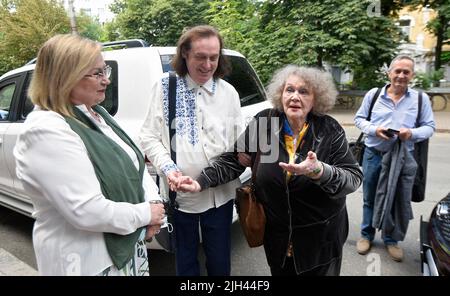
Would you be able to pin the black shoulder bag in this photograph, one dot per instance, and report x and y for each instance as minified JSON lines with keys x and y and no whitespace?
{"x":421,"y":157}
{"x":357,"y":148}
{"x":166,"y":236}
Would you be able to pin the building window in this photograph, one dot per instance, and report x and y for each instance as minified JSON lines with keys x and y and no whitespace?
{"x":86,"y":11}
{"x":406,"y":23}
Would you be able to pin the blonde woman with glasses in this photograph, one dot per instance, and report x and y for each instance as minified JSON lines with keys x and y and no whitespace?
{"x":86,"y":178}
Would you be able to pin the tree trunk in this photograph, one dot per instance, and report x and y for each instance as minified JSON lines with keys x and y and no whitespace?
{"x":319,"y":59}
{"x":439,"y":43}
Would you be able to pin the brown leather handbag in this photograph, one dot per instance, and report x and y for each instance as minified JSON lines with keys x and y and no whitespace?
{"x":251,"y":212}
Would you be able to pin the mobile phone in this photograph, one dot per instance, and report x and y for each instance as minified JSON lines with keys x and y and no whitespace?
{"x":393,"y":131}
{"x":390,"y":132}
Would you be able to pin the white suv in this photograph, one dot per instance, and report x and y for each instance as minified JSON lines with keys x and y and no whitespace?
{"x":134,"y":70}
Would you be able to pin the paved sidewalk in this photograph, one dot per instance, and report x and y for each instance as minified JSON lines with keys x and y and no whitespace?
{"x":12,"y":266}
{"x":345,"y":118}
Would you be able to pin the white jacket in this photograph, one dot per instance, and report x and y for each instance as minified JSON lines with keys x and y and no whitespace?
{"x":70,"y":211}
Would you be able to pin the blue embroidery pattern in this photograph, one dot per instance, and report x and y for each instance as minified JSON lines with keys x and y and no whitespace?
{"x":168,"y":168}
{"x":185,"y":114}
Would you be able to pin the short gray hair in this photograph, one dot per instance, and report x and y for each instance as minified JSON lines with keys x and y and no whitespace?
{"x":320,"y":82}
{"x":401,"y":57}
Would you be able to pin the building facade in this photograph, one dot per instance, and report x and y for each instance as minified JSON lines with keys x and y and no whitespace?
{"x":98,"y":9}
{"x":418,"y":42}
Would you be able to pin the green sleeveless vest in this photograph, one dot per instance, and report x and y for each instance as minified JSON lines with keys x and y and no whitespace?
{"x":116,"y":173}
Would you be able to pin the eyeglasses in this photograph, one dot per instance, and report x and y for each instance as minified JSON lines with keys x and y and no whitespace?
{"x":101,"y":73}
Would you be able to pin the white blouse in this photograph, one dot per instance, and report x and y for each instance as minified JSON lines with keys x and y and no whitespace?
{"x":70,"y":210}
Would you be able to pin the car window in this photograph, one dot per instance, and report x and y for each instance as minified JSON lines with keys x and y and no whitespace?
{"x":111,"y":102}
{"x":242,"y":77}
{"x":245,"y":81}
{"x":6,"y":96}
{"x":27,"y":104}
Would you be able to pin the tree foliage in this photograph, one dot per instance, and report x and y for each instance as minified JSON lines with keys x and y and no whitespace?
{"x":89,"y":27}
{"x":336,"y":32}
{"x":24,"y":29}
{"x":439,"y":26}
{"x":159,"y":22}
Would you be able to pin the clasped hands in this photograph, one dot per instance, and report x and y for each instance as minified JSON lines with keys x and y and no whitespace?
{"x":178,"y":182}
{"x":310,"y":167}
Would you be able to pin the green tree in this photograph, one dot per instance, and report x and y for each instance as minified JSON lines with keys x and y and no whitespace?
{"x":439,"y":26}
{"x":338,"y":32}
{"x":237,"y":21}
{"x":159,"y":22}
{"x":89,"y":27}
{"x":24,"y":29}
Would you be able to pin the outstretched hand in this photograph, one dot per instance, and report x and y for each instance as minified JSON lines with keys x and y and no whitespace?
{"x":310,"y":167}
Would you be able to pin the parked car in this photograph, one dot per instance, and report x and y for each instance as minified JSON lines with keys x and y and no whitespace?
{"x":135,"y":68}
{"x":435,"y":240}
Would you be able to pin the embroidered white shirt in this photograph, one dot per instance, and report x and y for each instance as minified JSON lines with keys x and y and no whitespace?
{"x":208,"y":122}
{"x":70,"y":210}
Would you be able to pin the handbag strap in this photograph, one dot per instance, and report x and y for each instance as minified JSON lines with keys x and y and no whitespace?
{"x":369,"y":116}
{"x":374,"y":99}
{"x":255,"y":165}
{"x":172,"y":128}
{"x":419,"y":110}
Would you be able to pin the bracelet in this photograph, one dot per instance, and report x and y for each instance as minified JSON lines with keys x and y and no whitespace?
{"x":318,"y":169}
{"x":315,"y":171}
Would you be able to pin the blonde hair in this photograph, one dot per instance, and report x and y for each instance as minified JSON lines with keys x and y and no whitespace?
{"x":61,"y":63}
{"x":320,"y":82}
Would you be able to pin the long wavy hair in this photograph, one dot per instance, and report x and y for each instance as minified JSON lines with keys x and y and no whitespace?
{"x":320,"y":82}
{"x":184,"y":46}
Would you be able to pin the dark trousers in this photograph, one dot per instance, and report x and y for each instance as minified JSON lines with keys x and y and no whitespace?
{"x":331,"y":269}
{"x":215,"y":225}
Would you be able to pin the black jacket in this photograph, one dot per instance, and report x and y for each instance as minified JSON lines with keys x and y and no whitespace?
{"x":312,"y":214}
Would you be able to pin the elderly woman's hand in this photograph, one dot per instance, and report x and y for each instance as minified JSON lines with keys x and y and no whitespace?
{"x":244,"y":159}
{"x":311,"y":167}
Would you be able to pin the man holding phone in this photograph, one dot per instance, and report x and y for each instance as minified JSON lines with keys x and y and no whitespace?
{"x":393,"y":117}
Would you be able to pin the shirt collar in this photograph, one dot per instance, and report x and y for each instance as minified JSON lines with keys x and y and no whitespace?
{"x":209,"y":86}
{"x":85,"y":111}
{"x":286,"y":127}
{"x":385,"y":95}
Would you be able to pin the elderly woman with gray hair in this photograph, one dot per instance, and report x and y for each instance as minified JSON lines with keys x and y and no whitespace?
{"x":304,"y":172}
